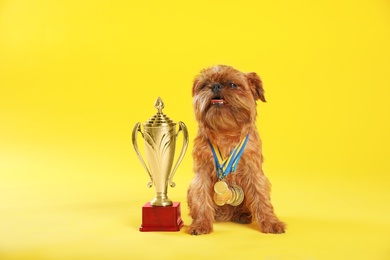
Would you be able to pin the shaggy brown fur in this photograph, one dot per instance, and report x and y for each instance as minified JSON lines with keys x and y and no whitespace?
{"x":225,"y":124}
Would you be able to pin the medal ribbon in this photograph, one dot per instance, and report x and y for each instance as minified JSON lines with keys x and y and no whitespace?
{"x":226,"y":165}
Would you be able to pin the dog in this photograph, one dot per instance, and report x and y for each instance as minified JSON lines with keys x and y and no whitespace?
{"x":224,"y":101}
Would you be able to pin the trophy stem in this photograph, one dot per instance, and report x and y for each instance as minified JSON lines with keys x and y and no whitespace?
{"x":161,"y":200}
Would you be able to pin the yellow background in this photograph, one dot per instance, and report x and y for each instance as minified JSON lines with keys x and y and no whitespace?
{"x":75,"y":76}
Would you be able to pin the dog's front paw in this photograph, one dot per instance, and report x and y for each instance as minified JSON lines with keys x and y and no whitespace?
{"x":199,"y":229}
{"x":273,"y":227}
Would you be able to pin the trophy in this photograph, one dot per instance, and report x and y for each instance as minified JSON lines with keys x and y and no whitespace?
{"x":159,"y":134}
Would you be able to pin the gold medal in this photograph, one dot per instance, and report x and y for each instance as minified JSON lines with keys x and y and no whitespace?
{"x":220,"y":187}
{"x":239,"y":195}
{"x":218,"y":200}
{"x":226,"y":196}
{"x":240,"y":199}
{"x":221,"y":199}
{"x":232,"y":198}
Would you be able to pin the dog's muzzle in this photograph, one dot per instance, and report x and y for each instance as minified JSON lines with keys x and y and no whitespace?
{"x":217,"y":97}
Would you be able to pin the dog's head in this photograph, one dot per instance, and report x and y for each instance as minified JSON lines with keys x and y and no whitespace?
{"x":224,"y":98}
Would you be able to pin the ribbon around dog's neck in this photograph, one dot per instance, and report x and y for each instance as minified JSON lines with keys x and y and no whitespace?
{"x":226,"y":165}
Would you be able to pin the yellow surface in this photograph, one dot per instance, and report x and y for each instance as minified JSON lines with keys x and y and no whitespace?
{"x":75,"y":76}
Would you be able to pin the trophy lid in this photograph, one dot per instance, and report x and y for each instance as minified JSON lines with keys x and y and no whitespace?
{"x":159,"y":119}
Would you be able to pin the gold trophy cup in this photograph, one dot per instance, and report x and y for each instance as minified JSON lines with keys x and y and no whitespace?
{"x":161,"y":214}
{"x":159,"y":134}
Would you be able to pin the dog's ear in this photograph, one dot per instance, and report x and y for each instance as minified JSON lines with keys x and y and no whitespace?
{"x":256,"y":86}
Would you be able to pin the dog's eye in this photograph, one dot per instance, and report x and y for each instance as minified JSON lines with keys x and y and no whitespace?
{"x":204,"y":85}
{"x":232,"y":85}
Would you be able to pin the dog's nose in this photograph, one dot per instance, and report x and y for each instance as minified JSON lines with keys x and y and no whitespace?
{"x":216,"y":87}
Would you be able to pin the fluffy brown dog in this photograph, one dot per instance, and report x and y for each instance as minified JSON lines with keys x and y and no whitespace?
{"x":224,"y":101}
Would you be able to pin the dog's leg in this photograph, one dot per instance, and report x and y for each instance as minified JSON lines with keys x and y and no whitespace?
{"x":200,"y":203}
{"x":257,"y":192}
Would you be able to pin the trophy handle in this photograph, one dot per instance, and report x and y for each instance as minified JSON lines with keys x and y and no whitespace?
{"x":183,"y":128}
{"x":137,"y":128}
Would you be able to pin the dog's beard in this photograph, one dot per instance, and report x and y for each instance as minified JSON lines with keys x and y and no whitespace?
{"x":228,"y":118}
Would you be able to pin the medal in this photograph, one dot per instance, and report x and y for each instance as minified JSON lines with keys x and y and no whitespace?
{"x":220,"y":187}
{"x":227,"y":195}
{"x":239,"y":195}
{"x":232,"y":198}
{"x":218,"y":200}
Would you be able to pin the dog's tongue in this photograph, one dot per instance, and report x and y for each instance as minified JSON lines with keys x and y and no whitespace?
{"x":217,"y":101}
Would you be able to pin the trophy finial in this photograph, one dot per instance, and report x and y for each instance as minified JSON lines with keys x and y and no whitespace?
{"x":159,"y":105}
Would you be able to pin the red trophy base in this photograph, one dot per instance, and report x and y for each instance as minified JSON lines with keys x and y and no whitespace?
{"x":161,"y":218}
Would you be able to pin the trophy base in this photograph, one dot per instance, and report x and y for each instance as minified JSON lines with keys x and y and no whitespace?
{"x":161,"y":218}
